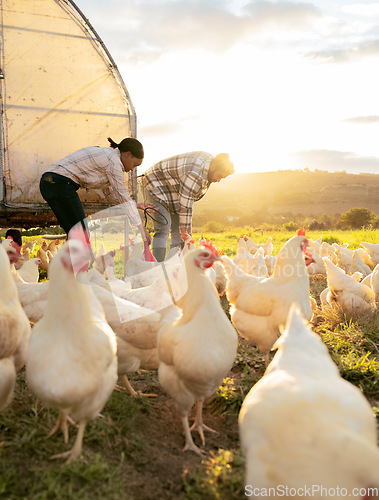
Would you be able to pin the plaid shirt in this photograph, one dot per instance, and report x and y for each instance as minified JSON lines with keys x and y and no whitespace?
{"x":99,"y":168}
{"x":179,"y":181}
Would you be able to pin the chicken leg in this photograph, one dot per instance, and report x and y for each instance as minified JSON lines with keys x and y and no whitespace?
{"x":130,"y":390}
{"x":190,"y":445}
{"x":76,"y":450}
{"x":198,"y":424}
{"x":62,"y":423}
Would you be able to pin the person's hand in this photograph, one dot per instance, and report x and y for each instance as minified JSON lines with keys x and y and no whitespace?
{"x":147,"y":235}
{"x":146,"y":206}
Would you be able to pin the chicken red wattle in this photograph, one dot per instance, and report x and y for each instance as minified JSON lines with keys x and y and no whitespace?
{"x":13,"y":250}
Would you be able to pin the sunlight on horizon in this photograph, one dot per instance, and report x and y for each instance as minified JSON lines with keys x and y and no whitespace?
{"x":262,"y":113}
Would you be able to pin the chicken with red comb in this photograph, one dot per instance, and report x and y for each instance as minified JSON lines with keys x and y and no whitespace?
{"x":260,"y":307}
{"x":72,"y":361}
{"x":78,"y":232}
{"x":211,"y":246}
{"x":12,"y":249}
{"x":189,"y":243}
{"x":14,"y":329}
{"x":197,"y":349}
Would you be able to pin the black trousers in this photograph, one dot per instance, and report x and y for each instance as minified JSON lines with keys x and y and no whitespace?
{"x":60,"y":193}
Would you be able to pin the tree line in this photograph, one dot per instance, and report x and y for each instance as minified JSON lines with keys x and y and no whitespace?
{"x":355,"y":218}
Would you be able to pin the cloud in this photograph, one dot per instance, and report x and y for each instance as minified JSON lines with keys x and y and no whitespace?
{"x":363,"y":119}
{"x":149,"y":28}
{"x":362,"y":9}
{"x":288,"y":15}
{"x":160,"y":130}
{"x":336,"y":161}
{"x":349,"y":54}
{"x":166,"y":128}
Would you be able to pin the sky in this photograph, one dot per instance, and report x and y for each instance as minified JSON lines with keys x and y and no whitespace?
{"x":279,"y":85}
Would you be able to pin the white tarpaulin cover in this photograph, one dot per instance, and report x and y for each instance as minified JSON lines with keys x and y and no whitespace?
{"x":60,"y":92}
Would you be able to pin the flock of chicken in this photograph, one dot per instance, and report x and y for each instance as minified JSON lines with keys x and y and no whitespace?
{"x":300,"y":425}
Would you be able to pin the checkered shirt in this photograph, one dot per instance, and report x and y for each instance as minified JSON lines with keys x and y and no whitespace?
{"x":179,"y":181}
{"x":99,"y":168}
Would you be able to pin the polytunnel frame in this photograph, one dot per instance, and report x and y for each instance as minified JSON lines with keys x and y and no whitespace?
{"x":31,"y":216}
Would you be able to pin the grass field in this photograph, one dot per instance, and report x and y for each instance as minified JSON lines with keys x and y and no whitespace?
{"x":134,"y":450}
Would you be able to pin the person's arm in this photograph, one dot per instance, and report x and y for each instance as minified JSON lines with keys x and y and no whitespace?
{"x":189,"y":188}
{"x":145,"y":234}
{"x":118,"y":193}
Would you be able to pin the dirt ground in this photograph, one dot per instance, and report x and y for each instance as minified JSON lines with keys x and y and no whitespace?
{"x":164,"y":464}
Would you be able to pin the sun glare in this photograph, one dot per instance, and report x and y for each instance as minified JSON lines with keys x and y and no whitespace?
{"x":260,"y":109}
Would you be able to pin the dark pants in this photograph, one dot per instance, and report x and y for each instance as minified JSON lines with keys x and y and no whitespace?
{"x":61,"y":195}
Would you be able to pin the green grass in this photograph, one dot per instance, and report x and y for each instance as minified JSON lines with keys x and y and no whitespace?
{"x":134,"y":450}
{"x":227,"y":241}
{"x":26,"y":470}
{"x":221,"y":476}
{"x":354,"y":347}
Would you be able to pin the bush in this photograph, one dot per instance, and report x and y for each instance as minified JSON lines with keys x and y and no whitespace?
{"x":315,"y":225}
{"x":357,"y":218}
{"x":290,"y":226}
{"x":213,"y":227}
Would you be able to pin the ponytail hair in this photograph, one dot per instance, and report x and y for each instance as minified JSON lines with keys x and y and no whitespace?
{"x":128,"y":144}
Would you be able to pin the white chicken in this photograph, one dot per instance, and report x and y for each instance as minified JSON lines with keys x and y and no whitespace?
{"x":221,"y":277}
{"x":215,"y":273}
{"x":29,"y":270}
{"x":12,"y":250}
{"x":72,"y":362}
{"x":244,"y":259}
{"x":260,"y":307}
{"x":373,"y":251}
{"x":253,"y":247}
{"x":95,"y":277}
{"x":101,"y":262}
{"x":138,"y":272}
{"x":372,"y":280}
{"x":357,"y":265}
{"x":352,"y":296}
{"x":259,"y":268}
{"x":317,"y":266}
{"x":14,"y":332}
{"x":197,"y":350}
{"x":202,"y":240}
{"x":33,"y":297}
{"x":42,"y":254}
{"x":365,"y":257}
{"x":315,"y":244}
{"x":136,"y":330}
{"x":24,"y":257}
{"x":53,"y":246}
{"x":136,"y":327}
{"x":155,"y":296}
{"x":268,"y":246}
{"x":344,"y":257}
{"x":28,"y":245}
{"x":270,"y":261}
{"x":304,"y":428}
{"x":189,"y":243}
{"x":326,"y":249}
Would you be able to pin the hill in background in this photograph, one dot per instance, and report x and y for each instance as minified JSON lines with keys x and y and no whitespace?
{"x":287,"y":192}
